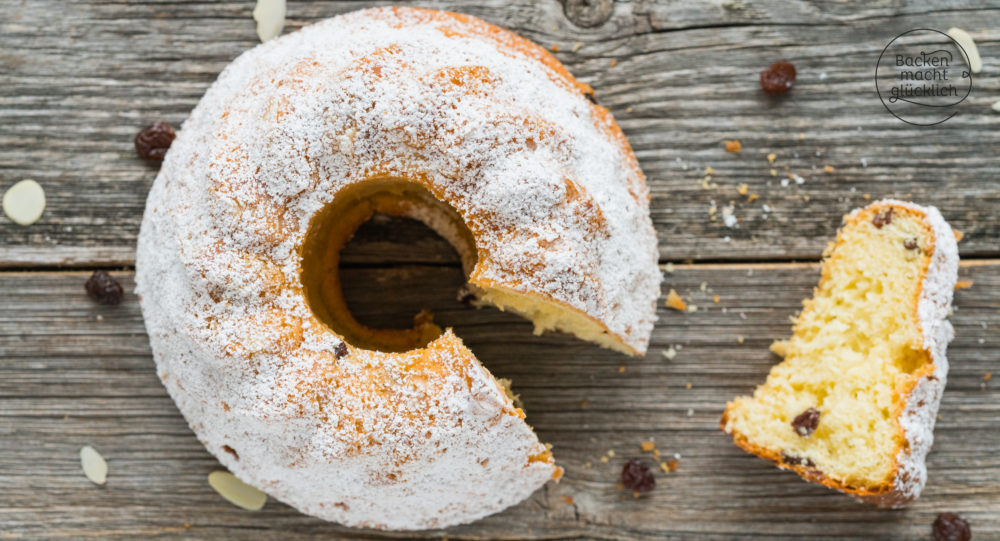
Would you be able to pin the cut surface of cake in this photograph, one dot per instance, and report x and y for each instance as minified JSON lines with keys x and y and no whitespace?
{"x":853,"y":404}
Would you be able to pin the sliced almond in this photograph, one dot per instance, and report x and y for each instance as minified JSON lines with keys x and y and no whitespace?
{"x":94,"y":466}
{"x":24,"y":202}
{"x":237,"y":492}
{"x":270,"y":17}
{"x":968,"y":49}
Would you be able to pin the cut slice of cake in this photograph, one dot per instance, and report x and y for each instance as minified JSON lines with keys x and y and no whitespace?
{"x":852,"y":406}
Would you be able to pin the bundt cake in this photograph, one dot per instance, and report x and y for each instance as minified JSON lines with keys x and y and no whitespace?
{"x":425,"y":114}
{"x":853,"y":404}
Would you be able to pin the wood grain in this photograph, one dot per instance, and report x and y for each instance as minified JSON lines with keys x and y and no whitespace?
{"x":80,"y":78}
{"x":74,"y":373}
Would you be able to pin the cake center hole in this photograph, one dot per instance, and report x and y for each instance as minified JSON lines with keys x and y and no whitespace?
{"x":394,"y":268}
{"x":375,"y":274}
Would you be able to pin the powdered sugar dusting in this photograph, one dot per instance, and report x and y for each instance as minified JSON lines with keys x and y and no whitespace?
{"x":920,"y":412}
{"x":542,"y":177}
{"x":922,"y":404}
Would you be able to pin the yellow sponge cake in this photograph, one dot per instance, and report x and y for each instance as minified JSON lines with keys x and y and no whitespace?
{"x":852,"y":406}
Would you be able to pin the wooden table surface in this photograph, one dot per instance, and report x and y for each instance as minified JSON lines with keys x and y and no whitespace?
{"x":79,"y":78}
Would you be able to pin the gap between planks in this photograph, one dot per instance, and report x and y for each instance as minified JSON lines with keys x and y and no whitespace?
{"x":677,"y":265}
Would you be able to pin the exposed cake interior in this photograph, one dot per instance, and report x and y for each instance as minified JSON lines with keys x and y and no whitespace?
{"x":856,"y":351}
{"x":333,"y":227}
{"x":551,"y":316}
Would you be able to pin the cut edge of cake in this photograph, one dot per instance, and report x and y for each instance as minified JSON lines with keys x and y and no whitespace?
{"x":918,"y":404}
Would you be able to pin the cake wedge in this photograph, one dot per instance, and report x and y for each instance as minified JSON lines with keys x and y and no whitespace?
{"x":852,"y":405}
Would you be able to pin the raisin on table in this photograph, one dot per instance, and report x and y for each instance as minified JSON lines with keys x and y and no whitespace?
{"x":778,"y":78}
{"x":637,"y":477}
{"x":152,"y":143}
{"x":951,"y":527}
{"x":104,"y":289}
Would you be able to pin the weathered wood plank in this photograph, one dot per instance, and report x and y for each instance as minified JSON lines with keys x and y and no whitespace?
{"x":78,"y":80}
{"x":74,"y":373}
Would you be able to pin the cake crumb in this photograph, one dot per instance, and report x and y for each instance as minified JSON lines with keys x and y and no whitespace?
{"x":687,"y":385}
{"x":555,"y":47}
{"x":867,"y":196}
{"x":753,"y":197}
{"x":670,"y":353}
{"x":743,"y":189}
{"x":739,"y":339}
{"x":675,"y":301}
{"x":577,"y":45}
{"x":692,"y":308}
{"x":672,"y":464}
{"x":963,"y":284}
{"x":614,"y":62}
{"x":568,"y":500}
{"x":715,"y":299}
{"x":665,"y":467}
{"x":647,"y":446}
{"x":828,"y":168}
{"x":958,"y":235}
{"x":669,"y":268}
{"x":987,"y":376}
{"x":611,"y":453}
{"x":733,"y":146}
{"x":771,"y":157}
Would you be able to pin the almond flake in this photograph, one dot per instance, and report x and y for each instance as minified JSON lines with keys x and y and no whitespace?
{"x":94,"y":466}
{"x":24,"y":202}
{"x":237,"y":492}
{"x":968,"y":48}
{"x":270,"y":17}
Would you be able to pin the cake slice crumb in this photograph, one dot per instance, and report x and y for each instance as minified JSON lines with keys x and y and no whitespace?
{"x":675,"y":301}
